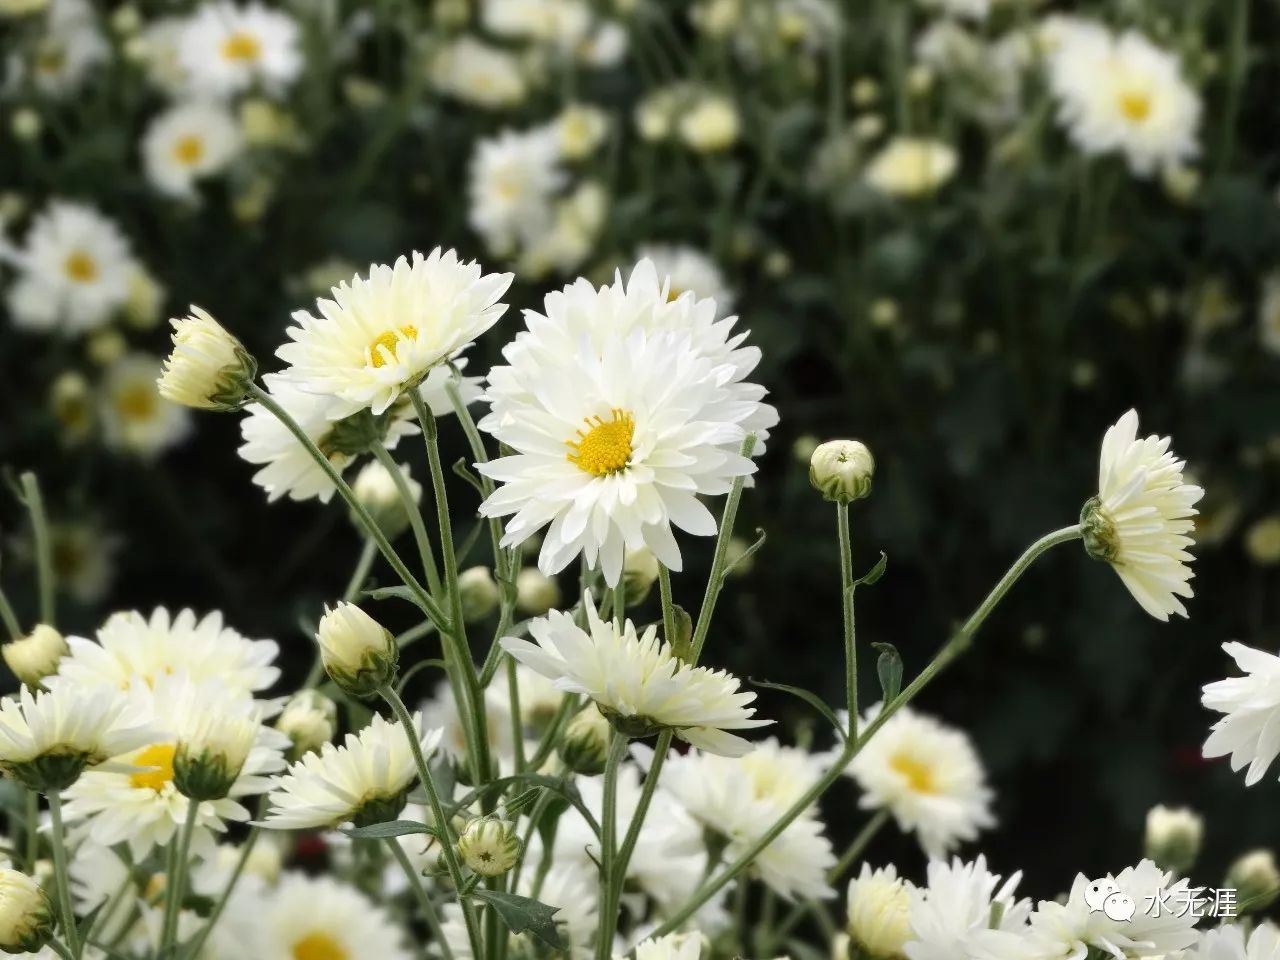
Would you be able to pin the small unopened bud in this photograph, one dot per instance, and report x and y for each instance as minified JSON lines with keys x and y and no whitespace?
{"x":639,"y":571}
{"x":803,"y":447}
{"x":585,"y":747}
{"x":360,"y":655}
{"x":479,"y":592}
{"x":105,"y":347}
{"x":26,"y":915}
{"x":864,"y":92}
{"x":879,"y":911}
{"x":208,"y":368}
{"x":309,"y":719}
{"x":1262,"y":541}
{"x":842,"y":470}
{"x":209,"y":758}
{"x":1256,"y":880}
{"x":35,"y":656}
{"x":1180,"y":183}
{"x":376,"y":490}
{"x":489,"y":846}
{"x":1173,"y":837}
{"x":72,"y":405}
{"x":25,"y":124}
{"x":536,"y":593}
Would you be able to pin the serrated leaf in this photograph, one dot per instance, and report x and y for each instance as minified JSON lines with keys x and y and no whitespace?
{"x":385,"y":831}
{"x":875,"y":573}
{"x":522,"y":914}
{"x":812,"y":699}
{"x":889,"y":669}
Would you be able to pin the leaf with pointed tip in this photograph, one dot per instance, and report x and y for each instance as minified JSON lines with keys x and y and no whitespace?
{"x":875,"y":573}
{"x":385,"y":831}
{"x":889,"y":669}
{"x":681,"y":643}
{"x":812,"y":699}
{"x":522,"y":914}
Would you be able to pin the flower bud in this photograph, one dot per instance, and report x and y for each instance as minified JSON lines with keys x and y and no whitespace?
{"x":585,"y":747}
{"x":842,"y":470}
{"x":359,"y":654}
{"x":375,"y":488}
{"x":209,"y":758}
{"x":710,"y":126}
{"x":639,"y":571}
{"x":208,"y":369}
{"x":1173,"y":837}
{"x":145,"y":298}
{"x":1262,"y":541}
{"x":26,"y":916}
{"x":35,"y":656}
{"x":480,"y":594}
{"x":72,"y":405}
{"x":1256,"y":880}
{"x":25,"y":124}
{"x":879,"y":911}
{"x":489,"y":846}
{"x":105,"y":347}
{"x":536,"y":593}
{"x":309,"y":719}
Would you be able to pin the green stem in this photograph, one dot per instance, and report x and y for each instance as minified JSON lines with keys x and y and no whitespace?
{"x":44,"y":546}
{"x":608,"y":920}
{"x":517,"y":721}
{"x":61,"y":876}
{"x":11,"y":623}
{"x":246,"y":849}
{"x":415,"y":517}
{"x":446,"y":837}
{"x":858,"y":845}
{"x":361,"y":572}
{"x":429,"y":913}
{"x":846,"y":609}
{"x":715,"y":582}
{"x":176,"y":880}
{"x":1237,"y":66}
{"x":32,"y":829}
{"x":957,"y":644}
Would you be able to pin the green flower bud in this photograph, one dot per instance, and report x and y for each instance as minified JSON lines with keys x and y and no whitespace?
{"x":639,"y":571}
{"x":208,"y":368}
{"x":489,"y":846}
{"x":842,"y":470}
{"x":26,"y":916}
{"x":479,"y":592}
{"x":1256,"y":880}
{"x":359,"y":654}
{"x":375,"y":489}
{"x":1173,"y":837}
{"x":585,"y":747}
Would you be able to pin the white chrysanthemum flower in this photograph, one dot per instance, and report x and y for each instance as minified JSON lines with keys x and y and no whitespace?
{"x":1251,"y":705}
{"x":926,"y":774}
{"x":68,"y":47}
{"x":711,"y":124}
{"x":1141,"y":520}
{"x":84,"y":558}
{"x":911,"y":167}
{"x":156,"y":50}
{"x":1229,"y":942}
{"x":48,"y":738}
{"x":570,"y":238}
{"x":622,"y":407}
{"x":137,"y":801}
{"x":132,"y":647}
{"x":580,"y":128}
{"x":674,"y":946}
{"x":73,"y":270}
{"x":187,"y":143}
{"x":366,"y":780}
{"x":738,"y":799}
{"x":208,"y":368}
{"x":1069,"y":930}
{"x":878,"y":909}
{"x":684,"y":268}
{"x":637,"y":682}
{"x":960,"y":908}
{"x":135,"y":418}
{"x":512,"y":179}
{"x":226,"y":48}
{"x":1123,"y":93}
{"x":318,"y":918}
{"x":478,"y":73}
{"x":1269,"y":314}
{"x":381,"y":335}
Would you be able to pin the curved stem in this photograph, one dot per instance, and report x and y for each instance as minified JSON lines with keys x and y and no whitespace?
{"x":958,"y":643}
{"x":444,"y":827}
{"x":66,"y":907}
{"x":429,"y":913}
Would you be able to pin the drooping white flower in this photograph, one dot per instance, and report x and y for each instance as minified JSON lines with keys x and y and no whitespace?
{"x":188,"y":143}
{"x":226,"y":48}
{"x":637,"y":681}
{"x":1125,"y":94}
{"x":959,"y":910}
{"x":318,"y":918}
{"x":132,"y":647}
{"x":1251,"y":708}
{"x":135,"y":418}
{"x":1141,"y":520}
{"x":622,"y":406}
{"x":382,"y":334}
{"x":928,"y":776}
{"x":366,"y":780}
{"x":911,"y":167}
{"x":74,"y":270}
{"x":685,"y":268}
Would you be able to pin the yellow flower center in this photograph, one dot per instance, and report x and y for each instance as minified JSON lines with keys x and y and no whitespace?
{"x":605,"y":448}
{"x":673,"y":293}
{"x":318,"y":946}
{"x":158,"y":756}
{"x":919,"y":776}
{"x":241,"y":48}
{"x":80,"y":267}
{"x":390,"y":340}
{"x":137,"y":402}
{"x":1135,"y":105}
{"x":188,"y":150}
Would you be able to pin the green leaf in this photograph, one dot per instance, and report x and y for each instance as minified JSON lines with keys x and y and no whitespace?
{"x":889,"y":669}
{"x":681,"y":643}
{"x":812,"y":699}
{"x":392,"y":828}
{"x":400,"y":593}
{"x":523,"y":913}
{"x":875,"y":573}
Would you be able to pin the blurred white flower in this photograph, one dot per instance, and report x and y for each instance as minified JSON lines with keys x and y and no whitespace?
{"x":911,"y":167}
{"x":687,"y":269}
{"x":188,"y":143}
{"x":479,"y":74}
{"x":227,"y":48}
{"x":1229,"y":941}
{"x":135,"y":418}
{"x":711,"y":125}
{"x":511,"y":182}
{"x":964,"y":909}
{"x":67,"y":46}
{"x":318,"y":918}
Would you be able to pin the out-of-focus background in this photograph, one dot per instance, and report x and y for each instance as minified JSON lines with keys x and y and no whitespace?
{"x":970,"y":233}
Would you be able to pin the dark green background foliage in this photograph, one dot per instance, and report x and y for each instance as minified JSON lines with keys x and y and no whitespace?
{"x":983,"y":422}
